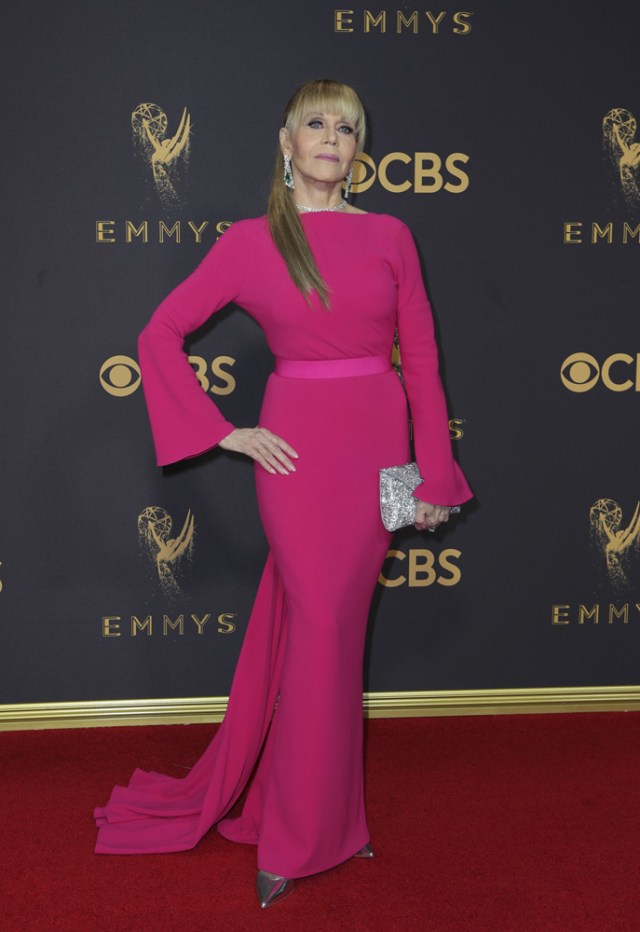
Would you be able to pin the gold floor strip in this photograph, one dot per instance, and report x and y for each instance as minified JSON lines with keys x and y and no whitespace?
{"x":376,"y":705}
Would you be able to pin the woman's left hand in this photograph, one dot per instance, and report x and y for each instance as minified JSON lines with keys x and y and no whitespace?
{"x":429,"y":517}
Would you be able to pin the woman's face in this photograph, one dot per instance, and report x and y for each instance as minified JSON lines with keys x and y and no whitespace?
{"x":322,"y":149}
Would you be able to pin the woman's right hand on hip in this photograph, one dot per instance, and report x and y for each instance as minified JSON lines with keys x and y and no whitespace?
{"x":272,"y":452}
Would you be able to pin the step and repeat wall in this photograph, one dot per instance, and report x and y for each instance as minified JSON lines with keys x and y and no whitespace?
{"x":506,"y":137}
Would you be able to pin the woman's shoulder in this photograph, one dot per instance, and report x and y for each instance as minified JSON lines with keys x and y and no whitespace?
{"x":390,"y":230}
{"x":388,"y":221}
{"x":235,"y":237}
{"x":248,"y":225}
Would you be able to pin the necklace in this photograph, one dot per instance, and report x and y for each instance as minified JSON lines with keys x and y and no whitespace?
{"x":319,"y":210}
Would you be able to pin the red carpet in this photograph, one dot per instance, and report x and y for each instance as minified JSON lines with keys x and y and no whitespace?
{"x":500,"y":823}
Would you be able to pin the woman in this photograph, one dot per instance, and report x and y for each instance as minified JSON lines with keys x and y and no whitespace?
{"x":328,"y":284}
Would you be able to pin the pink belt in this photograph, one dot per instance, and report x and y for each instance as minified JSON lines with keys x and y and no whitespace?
{"x":332,"y":368}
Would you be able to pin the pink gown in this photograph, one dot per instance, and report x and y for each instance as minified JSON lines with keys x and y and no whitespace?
{"x":295,"y":706}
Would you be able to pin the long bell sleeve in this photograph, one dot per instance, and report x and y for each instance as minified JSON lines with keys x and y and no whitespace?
{"x":184,"y":419}
{"x":444,"y":482}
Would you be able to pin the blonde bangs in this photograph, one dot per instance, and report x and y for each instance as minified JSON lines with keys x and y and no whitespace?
{"x":327,"y":97}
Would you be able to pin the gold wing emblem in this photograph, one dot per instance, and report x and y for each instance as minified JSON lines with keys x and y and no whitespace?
{"x":621,"y":540}
{"x":166,"y":151}
{"x":172,"y":549}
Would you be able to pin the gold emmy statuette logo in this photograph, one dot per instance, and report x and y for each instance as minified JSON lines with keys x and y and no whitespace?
{"x":619,"y":137}
{"x":616,"y":542}
{"x":120,"y":375}
{"x":166,"y":154}
{"x":154,"y":531}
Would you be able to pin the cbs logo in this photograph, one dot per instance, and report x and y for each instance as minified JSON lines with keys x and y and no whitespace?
{"x":419,"y":568}
{"x":619,"y":372}
{"x":120,"y":375}
{"x":422,"y":172}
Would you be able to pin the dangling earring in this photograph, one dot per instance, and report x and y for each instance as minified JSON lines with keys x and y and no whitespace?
{"x":347,"y":187}
{"x":288,"y":174}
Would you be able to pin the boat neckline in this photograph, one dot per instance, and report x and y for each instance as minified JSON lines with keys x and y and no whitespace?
{"x":341,"y":213}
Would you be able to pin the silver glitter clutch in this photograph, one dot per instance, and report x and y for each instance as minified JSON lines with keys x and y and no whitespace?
{"x":397,"y":501}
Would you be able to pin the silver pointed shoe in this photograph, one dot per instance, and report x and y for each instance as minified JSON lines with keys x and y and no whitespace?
{"x":366,"y":852}
{"x":271,"y":888}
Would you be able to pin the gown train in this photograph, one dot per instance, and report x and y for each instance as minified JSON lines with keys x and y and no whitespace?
{"x":158,"y":813}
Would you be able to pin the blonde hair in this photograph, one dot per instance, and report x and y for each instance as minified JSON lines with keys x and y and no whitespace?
{"x":284,"y":221}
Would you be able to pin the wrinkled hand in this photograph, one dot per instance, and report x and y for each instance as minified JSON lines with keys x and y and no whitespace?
{"x":429,"y":517}
{"x":271,"y":451}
